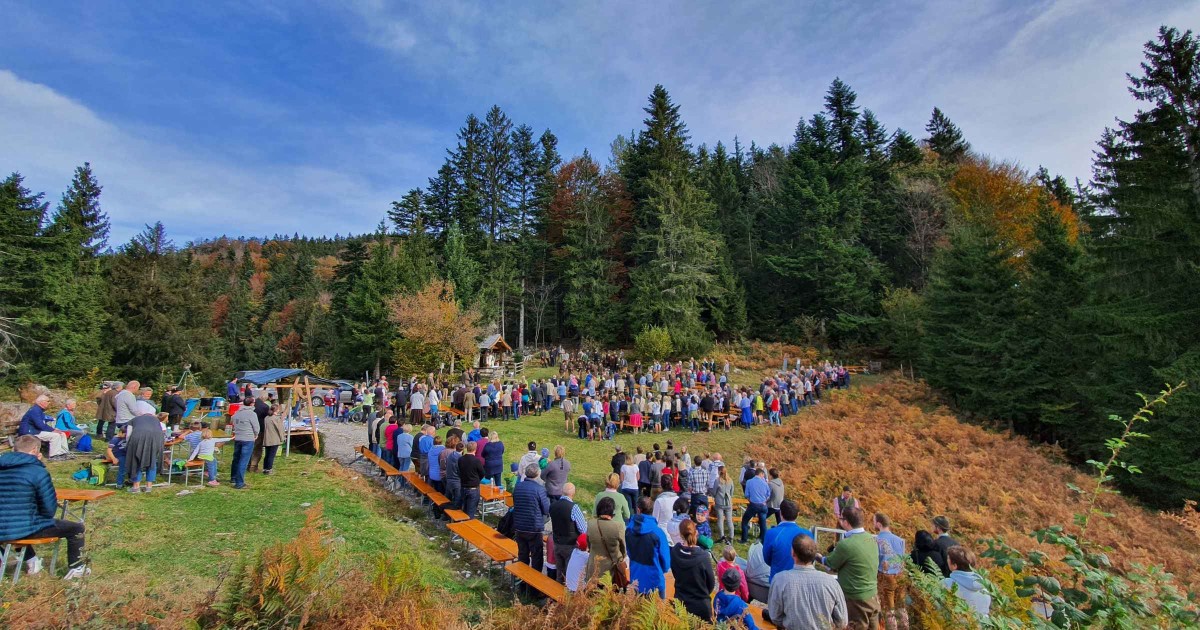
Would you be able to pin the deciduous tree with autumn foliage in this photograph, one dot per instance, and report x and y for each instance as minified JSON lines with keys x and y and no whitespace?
{"x":433,"y":319}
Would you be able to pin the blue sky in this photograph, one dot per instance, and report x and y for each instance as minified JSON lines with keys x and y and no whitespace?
{"x":311,"y":117}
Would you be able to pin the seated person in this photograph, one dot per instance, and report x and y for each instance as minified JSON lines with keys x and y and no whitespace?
{"x":36,"y":423}
{"x":27,"y":494}
{"x":191,"y":435}
{"x":65,"y":421}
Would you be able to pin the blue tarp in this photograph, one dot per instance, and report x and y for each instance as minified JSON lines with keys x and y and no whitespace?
{"x":280,"y":375}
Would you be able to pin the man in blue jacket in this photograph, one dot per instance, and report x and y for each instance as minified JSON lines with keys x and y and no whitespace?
{"x":757,"y":493}
{"x":35,"y":422}
{"x":531,"y":506}
{"x":29,"y":501}
{"x":649,"y":551}
{"x":777,"y":548}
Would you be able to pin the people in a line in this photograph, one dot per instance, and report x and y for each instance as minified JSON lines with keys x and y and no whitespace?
{"x":649,"y":551}
{"x":692,"y":568}
{"x":30,"y":504}
{"x":629,"y":480}
{"x":38,"y":424}
{"x":803,"y":597}
{"x":964,"y":582}
{"x":856,"y":561}
{"x":722,"y":494}
{"x":664,"y":504}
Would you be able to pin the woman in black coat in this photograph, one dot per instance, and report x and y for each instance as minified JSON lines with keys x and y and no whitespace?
{"x":692,"y":567}
{"x":924,"y":551}
{"x":145,"y":449}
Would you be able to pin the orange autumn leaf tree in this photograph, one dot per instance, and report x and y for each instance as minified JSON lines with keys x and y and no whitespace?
{"x":432,"y":317}
{"x":1005,"y":198}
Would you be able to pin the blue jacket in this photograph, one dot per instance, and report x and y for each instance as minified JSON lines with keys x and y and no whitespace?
{"x":27,"y":495}
{"x":730,"y":606}
{"x":65,"y":421}
{"x":403,"y":444}
{"x":35,"y":421}
{"x":649,"y":554}
{"x":531,"y":506}
{"x":435,"y":466}
{"x":493,"y":460}
{"x":777,"y":546}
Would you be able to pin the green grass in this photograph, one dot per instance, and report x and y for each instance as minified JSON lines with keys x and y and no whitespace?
{"x":185,"y":542}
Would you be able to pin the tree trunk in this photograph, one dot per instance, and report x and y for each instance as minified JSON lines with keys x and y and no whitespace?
{"x":377,"y":368}
{"x":521,"y":318}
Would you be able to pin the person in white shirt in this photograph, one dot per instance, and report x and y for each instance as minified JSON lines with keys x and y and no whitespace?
{"x":125,"y":403}
{"x":577,"y":563}
{"x":665,"y":503}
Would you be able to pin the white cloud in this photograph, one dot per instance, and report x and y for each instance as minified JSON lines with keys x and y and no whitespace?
{"x":44,"y":135}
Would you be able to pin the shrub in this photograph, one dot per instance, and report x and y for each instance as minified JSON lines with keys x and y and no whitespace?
{"x":653,"y":343}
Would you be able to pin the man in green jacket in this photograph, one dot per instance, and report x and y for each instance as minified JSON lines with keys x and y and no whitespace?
{"x":856,"y":561}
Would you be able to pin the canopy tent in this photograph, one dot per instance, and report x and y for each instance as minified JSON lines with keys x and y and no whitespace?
{"x":296,"y":381}
{"x":276,"y":375}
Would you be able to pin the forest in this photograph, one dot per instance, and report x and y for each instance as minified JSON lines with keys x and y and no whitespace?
{"x":1029,"y":302}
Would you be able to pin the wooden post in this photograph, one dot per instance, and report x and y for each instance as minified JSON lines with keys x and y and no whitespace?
{"x":312,"y":421}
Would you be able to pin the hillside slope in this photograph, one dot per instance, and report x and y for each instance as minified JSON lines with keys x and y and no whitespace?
{"x":910,"y":458}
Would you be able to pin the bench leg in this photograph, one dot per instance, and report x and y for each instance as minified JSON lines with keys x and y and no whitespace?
{"x":4,"y":562}
{"x":20,"y":565}
{"x":54,"y":557}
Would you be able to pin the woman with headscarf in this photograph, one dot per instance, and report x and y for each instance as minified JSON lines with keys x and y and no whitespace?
{"x":144,"y":450}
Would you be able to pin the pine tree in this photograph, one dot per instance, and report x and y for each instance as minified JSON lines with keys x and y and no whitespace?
{"x":74,"y":288}
{"x":682,"y":263}
{"x":497,"y":172}
{"x":945,"y":138}
{"x":973,"y":341}
{"x":407,"y":211}
{"x":23,"y":255}
{"x":588,"y":205}
{"x":841,"y":105}
{"x":460,"y":268}
{"x":466,"y":167}
{"x":903,"y":150}
{"x":661,"y":148}
{"x":369,"y":333}
{"x":416,"y":263}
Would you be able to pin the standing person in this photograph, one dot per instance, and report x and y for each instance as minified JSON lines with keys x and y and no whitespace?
{"x":174,"y":405}
{"x":125,"y":404}
{"x":556,"y":472}
{"x":693,"y":570}
{"x":205,"y":450}
{"x":272,"y":438}
{"x":856,"y":561}
{"x":612,"y":485}
{"x":606,"y":541}
{"x":493,"y":459}
{"x":776,"y":485}
{"x":645,"y":470}
{"x":941,"y":533}
{"x":531,"y":456}
{"x":891,"y":573}
{"x":404,"y":446}
{"x":566,"y":524}
{"x":629,"y":483}
{"x":417,"y":404}
{"x":36,"y":423}
{"x":723,"y":504}
{"x":144,"y":450}
{"x":435,"y":465}
{"x":424,"y":443}
{"x":232,"y":393}
{"x":664,"y":504}
{"x":757,"y":495}
{"x":803,"y":597}
{"x":261,"y":411}
{"x":531,"y":506}
{"x":30,"y":503}
{"x":777,"y":547}
{"x":844,"y":500}
{"x":649,"y":551}
{"x":245,"y":433}
{"x":454,"y":452}
{"x":698,"y":483}
{"x":118,"y":449}
{"x":470,"y":473}
{"x":731,"y":606}
{"x":965,"y":582}
{"x":925,"y":553}
{"x":105,"y":412}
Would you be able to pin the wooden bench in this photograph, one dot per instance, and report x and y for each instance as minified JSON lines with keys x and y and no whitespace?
{"x":385,"y":468}
{"x":17,"y":546}
{"x":495,"y":550}
{"x":458,"y":413}
{"x":538,"y":581}
{"x":456,"y":516}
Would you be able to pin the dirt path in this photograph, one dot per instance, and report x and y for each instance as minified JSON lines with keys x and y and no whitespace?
{"x":342,"y":438}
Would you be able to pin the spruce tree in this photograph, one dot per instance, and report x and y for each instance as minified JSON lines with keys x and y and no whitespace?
{"x":589,"y":269}
{"x":23,"y":256}
{"x":903,"y":150}
{"x":407,"y":211}
{"x":945,"y":138}
{"x":661,"y":148}
{"x":973,"y":346}
{"x":460,"y":267}
{"x":369,"y":332}
{"x":498,"y":170}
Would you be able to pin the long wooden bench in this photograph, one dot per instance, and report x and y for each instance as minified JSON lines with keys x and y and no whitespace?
{"x":17,"y":546}
{"x":456,"y":516}
{"x":385,"y":468}
{"x":538,"y":581}
{"x":496,"y":551}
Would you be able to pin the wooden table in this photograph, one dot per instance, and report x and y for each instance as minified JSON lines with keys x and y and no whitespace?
{"x":67,"y":495}
{"x":492,"y":499}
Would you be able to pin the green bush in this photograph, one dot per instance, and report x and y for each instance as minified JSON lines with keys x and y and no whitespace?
{"x":653,"y":343}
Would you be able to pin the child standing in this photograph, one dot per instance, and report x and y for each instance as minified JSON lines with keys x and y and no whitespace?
{"x":729,"y":564}
{"x":729,"y":605}
{"x":206,"y":451}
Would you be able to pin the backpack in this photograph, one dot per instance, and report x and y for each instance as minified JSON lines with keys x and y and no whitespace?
{"x":99,"y":472}
{"x":85,"y":444}
{"x":507,"y":525}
